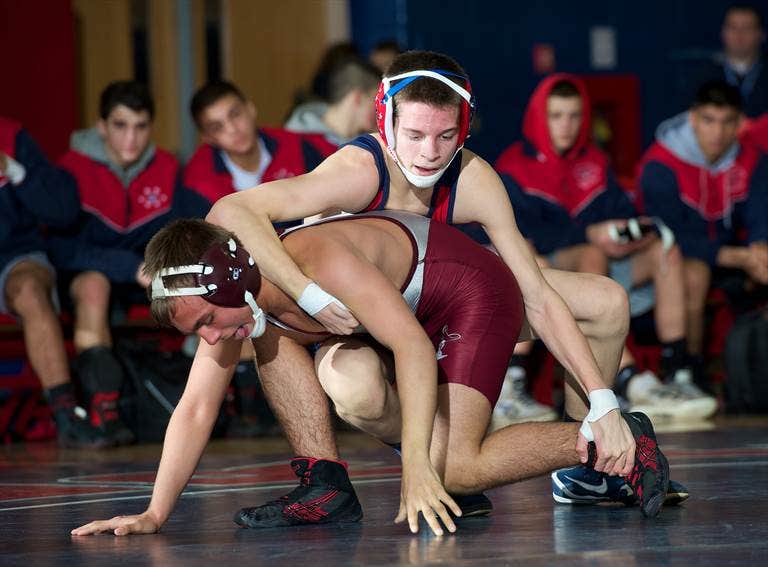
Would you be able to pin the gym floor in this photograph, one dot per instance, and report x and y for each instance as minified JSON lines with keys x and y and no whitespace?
{"x":45,"y":492}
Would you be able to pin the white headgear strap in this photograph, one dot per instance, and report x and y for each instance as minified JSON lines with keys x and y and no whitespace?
{"x":159,"y":290}
{"x":389,"y":117}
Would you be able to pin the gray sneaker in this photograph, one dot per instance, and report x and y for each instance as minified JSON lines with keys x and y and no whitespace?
{"x":515,"y":405}
{"x":668,"y":402}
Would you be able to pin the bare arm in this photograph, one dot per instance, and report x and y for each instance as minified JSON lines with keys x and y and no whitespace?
{"x":347,"y":180}
{"x":185,"y":439}
{"x":381,"y":309}
{"x":485,"y":201}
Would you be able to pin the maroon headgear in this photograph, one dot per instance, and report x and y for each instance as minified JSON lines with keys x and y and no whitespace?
{"x":223,"y":276}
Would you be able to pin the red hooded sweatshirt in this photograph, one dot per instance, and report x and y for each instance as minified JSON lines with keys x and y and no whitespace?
{"x":557,"y":196}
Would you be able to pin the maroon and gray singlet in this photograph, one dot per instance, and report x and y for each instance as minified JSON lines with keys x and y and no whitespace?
{"x":463,"y":295}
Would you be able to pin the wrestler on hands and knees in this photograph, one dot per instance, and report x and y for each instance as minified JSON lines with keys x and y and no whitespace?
{"x":417,"y":286}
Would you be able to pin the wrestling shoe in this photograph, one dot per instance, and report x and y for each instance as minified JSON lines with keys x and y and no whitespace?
{"x":105,"y":416}
{"x":74,"y":430}
{"x":472,"y":505}
{"x":649,"y":478}
{"x":584,"y":485}
{"x":324,"y":495}
{"x":515,"y":405}
{"x":676,"y":494}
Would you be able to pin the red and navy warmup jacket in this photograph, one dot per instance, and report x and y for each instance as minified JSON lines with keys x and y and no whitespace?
{"x":555,"y":197}
{"x":117,"y":222}
{"x":47,"y":195}
{"x":443,"y":194}
{"x":707,"y":209}
{"x":292,"y":154}
{"x":756,"y":133}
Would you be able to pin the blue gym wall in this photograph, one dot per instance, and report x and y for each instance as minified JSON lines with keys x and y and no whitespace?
{"x":660,"y":41}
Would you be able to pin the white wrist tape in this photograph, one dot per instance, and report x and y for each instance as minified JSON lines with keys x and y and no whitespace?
{"x":600,"y":403}
{"x":314,"y":299}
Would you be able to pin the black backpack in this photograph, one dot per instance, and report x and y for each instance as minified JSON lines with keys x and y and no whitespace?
{"x":154,"y":383}
{"x":746,"y":363}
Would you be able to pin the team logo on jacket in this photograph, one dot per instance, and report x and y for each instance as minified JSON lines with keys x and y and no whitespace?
{"x":736,"y":181}
{"x":587,"y":175}
{"x":152,"y":197}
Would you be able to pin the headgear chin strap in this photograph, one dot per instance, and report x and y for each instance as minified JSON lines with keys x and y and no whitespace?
{"x":226,"y":276}
{"x":385,"y":115}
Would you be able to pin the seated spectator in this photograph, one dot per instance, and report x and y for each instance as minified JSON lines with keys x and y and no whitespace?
{"x":235,"y":154}
{"x":383,"y":53}
{"x":712,"y":192}
{"x":317,"y":89}
{"x":742,"y":63}
{"x":32,"y":192}
{"x":333,"y":55}
{"x":128,"y":191}
{"x":347,"y":112}
{"x":569,"y":205}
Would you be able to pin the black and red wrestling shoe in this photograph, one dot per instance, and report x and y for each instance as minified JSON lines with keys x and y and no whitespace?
{"x":324,"y":495}
{"x":649,"y":478}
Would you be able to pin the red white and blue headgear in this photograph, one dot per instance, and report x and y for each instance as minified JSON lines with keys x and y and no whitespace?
{"x":226,"y":275}
{"x":385,"y":112}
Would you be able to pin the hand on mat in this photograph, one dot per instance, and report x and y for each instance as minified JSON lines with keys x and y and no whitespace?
{"x":336,"y":319}
{"x":614,"y":443}
{"x":120,"y":526}
{"x":422,"y":491}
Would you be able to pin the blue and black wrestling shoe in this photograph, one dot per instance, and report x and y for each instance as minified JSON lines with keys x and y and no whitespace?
{"x":648,"y":483}
{"x":583,"y":485}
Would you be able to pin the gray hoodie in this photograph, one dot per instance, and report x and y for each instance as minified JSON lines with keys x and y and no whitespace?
{"x":307,"y":118}
{"x":90,"y":143}
{"x":676,"y":134}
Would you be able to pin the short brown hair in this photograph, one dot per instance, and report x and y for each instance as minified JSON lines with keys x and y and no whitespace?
{"x":565,"y":89}
{"x":427,"y":90}
{"x":180,"y":243}
{"x":208,"y":95}
{"x":345,"y":77}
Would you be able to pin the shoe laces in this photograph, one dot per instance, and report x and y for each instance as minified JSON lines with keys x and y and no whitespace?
{"x":666,"y":392}
{"x":688,"y":390}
